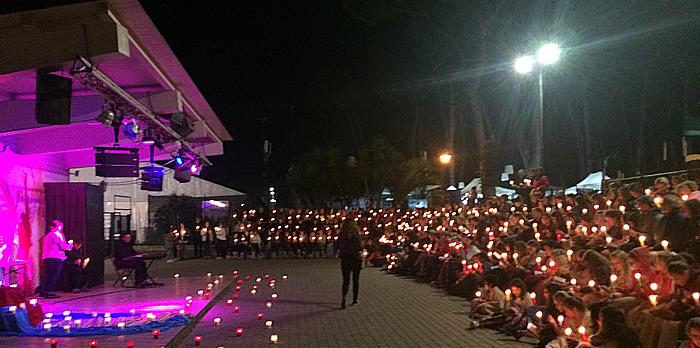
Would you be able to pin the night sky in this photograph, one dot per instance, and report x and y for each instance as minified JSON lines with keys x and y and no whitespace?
{"x":338,"y":73}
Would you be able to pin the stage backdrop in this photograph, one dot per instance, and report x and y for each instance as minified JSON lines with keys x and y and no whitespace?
{"x":22,"y":219}
{"x":80,"y":206}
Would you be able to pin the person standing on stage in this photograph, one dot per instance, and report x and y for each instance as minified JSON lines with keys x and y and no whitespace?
{"x":53,"y":254}
{"x":350,"y":252}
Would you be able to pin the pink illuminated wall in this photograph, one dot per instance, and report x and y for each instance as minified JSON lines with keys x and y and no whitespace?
{"x":22,"y":222}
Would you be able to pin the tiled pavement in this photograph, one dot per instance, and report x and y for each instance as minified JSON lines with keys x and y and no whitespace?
{"x":393,"y":311}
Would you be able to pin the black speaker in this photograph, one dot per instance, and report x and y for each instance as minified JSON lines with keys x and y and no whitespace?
{"x":183,"y":174}
{"x":181,"y":124}
{"x":152,"y":179}
{"x":53,"y":94}
{"x":116,"y":162}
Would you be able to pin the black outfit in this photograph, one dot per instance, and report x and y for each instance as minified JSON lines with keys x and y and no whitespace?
{"x":121,"y":252}
{"x":74,"y":272}
{"x":349,"y":250}
{"x":52,"y":271}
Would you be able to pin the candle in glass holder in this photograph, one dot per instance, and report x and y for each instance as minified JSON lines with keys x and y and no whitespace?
{"x":93,"y":344}
{"x":13,"y":309}
{"x":573,"y":281}
{"x":560,"y":319}
{"x":77,"y":322}
{"x":568,"y":331}
{"x":268,"y":324}
{"x":642,"y":239}
{"x":653,"y":299}
{"x":239,"y":331}
{"x":591,"y":283}
{"x":533,"y":298}
{"x":274,"y":296}
{"x":156,"y":334}
{"x":121,"y":325}
{"x":508,"y":292}
{"x":47,"y":326}
{"x":217,"y":321}
{"x":664,"y":243}
{"x":260,"y":315}
{"x":197,"y":340}
{"x":268,"y":304}
{"x":274,"y":339}
{"x":235,"y":296}
{"x":477,"y":294}
{"x":66,"y":328}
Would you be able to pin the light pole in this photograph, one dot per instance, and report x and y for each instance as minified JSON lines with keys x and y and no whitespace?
{"x":548,"y":54}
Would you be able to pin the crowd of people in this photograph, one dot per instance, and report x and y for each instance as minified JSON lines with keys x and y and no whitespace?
{"x":612,"y":269}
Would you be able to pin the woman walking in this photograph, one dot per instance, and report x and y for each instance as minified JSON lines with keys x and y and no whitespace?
{"x":350,"y":252}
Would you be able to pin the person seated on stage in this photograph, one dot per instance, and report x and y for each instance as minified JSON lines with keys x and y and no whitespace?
{"x":126,"y":257}
{"x":74,"y":267}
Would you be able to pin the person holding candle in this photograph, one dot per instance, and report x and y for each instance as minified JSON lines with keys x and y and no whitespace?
{"x":350,"y":252}
{"x":613,"y":332}
{"x":692,"y":330}
{"x":53,"y":254}
{"x":491,"y":301}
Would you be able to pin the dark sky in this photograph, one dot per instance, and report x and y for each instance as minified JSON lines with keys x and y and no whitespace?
{"x":338,"y":73}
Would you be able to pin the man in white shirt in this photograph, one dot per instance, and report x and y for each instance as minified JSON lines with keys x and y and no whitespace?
{"x":53,"y":254}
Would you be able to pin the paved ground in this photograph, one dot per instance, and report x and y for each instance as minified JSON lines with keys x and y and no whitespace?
{"x":393,"y":311}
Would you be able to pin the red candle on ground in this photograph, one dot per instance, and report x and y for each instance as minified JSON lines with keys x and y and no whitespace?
{"x":93,"y":344}
{"x":239,"y":331}
{"x":235,"y":296}
{"x":239,"y":282}
{"x":247,"y":278}
{"x":236,"y":309}
{"x":197,"y":340}
{"x":54,"y":343}
{"x":130,"y":344}
{"x":238,"y":288}
{"x":156,"y":334}
{"x":260,"y":315}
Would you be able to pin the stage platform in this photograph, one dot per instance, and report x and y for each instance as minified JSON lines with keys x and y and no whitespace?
{"x":169,"y":299}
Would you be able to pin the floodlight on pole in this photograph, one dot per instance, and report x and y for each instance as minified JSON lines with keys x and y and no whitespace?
{"x":524,"y":64}
{"x":548,"y":54}
{"x":445,"y":158}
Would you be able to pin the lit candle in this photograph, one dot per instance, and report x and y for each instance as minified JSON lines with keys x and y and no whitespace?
{"x":268,"y":324}
{"x":653,"y":299}
{"x":274,"y":296}
{"x":176,"y":275}
{"x":239,"y":331}
{"x":260,"y":315}
{"x":253,"y":291}
{"x":591,"y":283}
{"x":273,"y":339}
{"x":608,"y":240}
{"x":258,"y":280}
{"x":54,"y":343}
{"x":268,"y":304}
{"x":93,"y":344}
{"x":68,"y":318}
{"x":537,"y":236}
{"x":182,"y":312}
{"x":13,"y":309}
{"x":508,"y":294}
{"x":284,"y":276}
{"x":33,"y":302}
{"x":560,"y":319}
{"x":217,"y":321}
{"x":569,"y":253}
{"x":47,"y":326}
{"x":538,"y":314}
{"x":156,"y":334}
{"x":568,"y":331}
{"x":132,"y":311}
{"x":209,"y":275}
{"x":664,"y":243}
{"x":66,"y":328}
{"x":582,"y":331}
{"x":573,"y":281}
{"x":647,"y":192}
{"x":67,"y":313}
{"x":121,"y":325}
{"x":533,"y":297}
{"x":685,"y":197}
{"x":642,"y":239}
{"x":235,"y":296}
{"x":654,"y":287}
{"x":622,"y":209}
{"x":77,"y":322}
{"x":150,"y":316}
{"x":638,"y":276}
{"x":197,"y":340}
{"x":478,"y":294}
{"x":236,"y":309}
{"x":200,"y":292}
{"x":696,"y":297}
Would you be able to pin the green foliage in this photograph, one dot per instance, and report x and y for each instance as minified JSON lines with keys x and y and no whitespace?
{"x":322,"y":176}
{"x":175,"y":210}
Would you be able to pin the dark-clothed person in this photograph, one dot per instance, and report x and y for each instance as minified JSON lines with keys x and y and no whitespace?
{"x":126,"y":257}
{"x":350,"y":253}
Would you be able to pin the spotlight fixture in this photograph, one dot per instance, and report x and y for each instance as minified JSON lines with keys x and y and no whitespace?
{"x":131,"y":129}
{"x":107,"y":116}
{"x":194,"y":168}
{"x":148,"y":137}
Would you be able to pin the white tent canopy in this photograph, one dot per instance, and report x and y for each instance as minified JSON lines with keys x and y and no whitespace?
{"x":593,"y":181}
{"x":476,"y":182}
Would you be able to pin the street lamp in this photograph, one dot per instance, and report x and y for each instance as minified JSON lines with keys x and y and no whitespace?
{"x":445,"y":158}
{"x":548,"y":54}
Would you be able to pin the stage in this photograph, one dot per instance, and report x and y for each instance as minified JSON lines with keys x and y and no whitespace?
{"x":134,"y":305}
